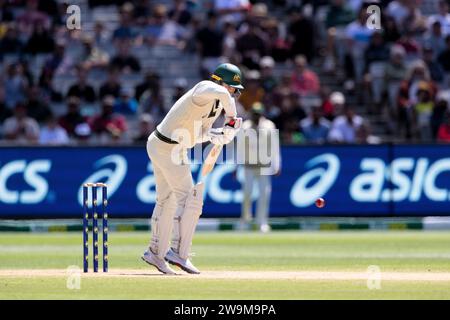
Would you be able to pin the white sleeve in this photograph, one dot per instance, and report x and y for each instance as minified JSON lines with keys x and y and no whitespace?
{"x":208,"y":91}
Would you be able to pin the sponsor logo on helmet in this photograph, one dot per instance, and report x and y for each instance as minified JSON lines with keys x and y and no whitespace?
{"x":237,"y":78}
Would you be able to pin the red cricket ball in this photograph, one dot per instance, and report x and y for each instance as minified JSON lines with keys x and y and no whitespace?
{"x":320,"y":203}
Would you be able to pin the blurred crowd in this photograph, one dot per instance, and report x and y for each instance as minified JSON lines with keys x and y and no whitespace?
{"x":322,"y":74}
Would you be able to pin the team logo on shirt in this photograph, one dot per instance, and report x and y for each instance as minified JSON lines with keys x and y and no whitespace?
{"x":214,"y":109}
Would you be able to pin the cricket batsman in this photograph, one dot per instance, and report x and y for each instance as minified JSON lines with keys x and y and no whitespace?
{"x":178,"y":201}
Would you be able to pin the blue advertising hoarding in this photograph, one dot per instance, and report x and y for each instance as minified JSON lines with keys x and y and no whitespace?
{"x":382,"y":180}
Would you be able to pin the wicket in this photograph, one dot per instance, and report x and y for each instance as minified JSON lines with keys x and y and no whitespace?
{"x":94,"y":215}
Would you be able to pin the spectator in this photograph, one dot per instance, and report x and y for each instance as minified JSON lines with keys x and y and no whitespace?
{"x":408,"y":95}
{"x":282,"y":89}
{"x":291,"y":133}
{"x":5,"y":112}
{"x":156,"y":23}
{"x":443,"y":17}
{"x":438,"y":115}
{"x":398,"y":10}
{"x":257,"y":13}
{"x":434,"y":39}
{"x":93,"y":56}
{"x":304,"y":81}
{"x":344,"y":128}
{"x":434,"y":68}
{"x":268,"y":80}
{"x":339,"y":15}
{"x":231,"y":10}
{"x":25,"y":70}
{"x":277,"y":46}
{"x":146,"y":126}
{"x":229,"y":41}
{"x":108,"y":125}
{"x":357,"y":37}
{"x":125,"y":104}
{"x":172,"y":34}
{"x":364,"y":136}
{"x":149,"y":96}
{"x":125,"y":30}
{"x":315,"y":128}
{"x":253,"y":91}
{"x":142,"y":10}
{"x":376,"y":54}
{"x":180,"y":13}
{"x":41,"y":41}
{"x":112,"y":85}
{"x":251,"y":46}
{"x":410,"y":44}
{"x":52,"y":133}
{"x":327,"y":106}
{"x":100,"y":37}
{"x":36,"y":107}
{"x":10,"y":43}
{"x":337,"y":101}
{"x":414,"y":22}
{"x":15,"y":85}
{"x":30,"y":18}
{"x":151,"y":102}
{"x":377,"y":51}
{"x":209,"y":41}
{"x":444,"y":130}
{"x":180,"y":89}
{"x":395,"y":72}
{"x":6,"y":12}
{"x":59,"y":62}
{"x":46,"y":85}
{"x":50,"y":8}
{"x":444,"y":59}
{"x":422,"y":112}
{"x":73,"y":121}
{"x":20,"y":127}
{"x":124,"y":61}
{"x":151,"y":82}
{"x":301,"y":34}
{"x":390,"y":30}
{"x":289,"y":116}
{"x":81,"y":88}
{"x":298,"y":112}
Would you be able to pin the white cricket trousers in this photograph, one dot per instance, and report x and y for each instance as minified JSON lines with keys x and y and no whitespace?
{"x":173,"y":180}
{"x":252,"y":175}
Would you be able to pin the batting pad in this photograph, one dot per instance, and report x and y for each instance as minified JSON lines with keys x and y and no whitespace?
{"x":162,"y":222}
{"x":186,"y":222}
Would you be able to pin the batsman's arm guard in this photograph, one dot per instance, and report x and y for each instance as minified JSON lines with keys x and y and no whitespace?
{"x":186,"y":222}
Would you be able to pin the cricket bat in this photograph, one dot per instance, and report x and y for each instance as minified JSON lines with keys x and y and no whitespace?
{"x":211,"y":159}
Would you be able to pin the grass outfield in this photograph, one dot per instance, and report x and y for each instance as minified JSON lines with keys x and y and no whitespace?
{"x":279,"y":265}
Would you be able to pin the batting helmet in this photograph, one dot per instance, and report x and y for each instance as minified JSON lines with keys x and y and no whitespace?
{"x":229,"y":74}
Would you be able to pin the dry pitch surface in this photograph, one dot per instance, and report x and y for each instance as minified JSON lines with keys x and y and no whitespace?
{"x":238,"y":275}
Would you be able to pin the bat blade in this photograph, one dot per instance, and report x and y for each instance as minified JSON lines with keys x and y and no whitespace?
{"x":211,"y":159}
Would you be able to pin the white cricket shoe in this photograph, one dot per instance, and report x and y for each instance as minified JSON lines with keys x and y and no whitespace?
{"x":264,"y":228}
{"x":173,"y":258}
{"x":155,"y":261}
